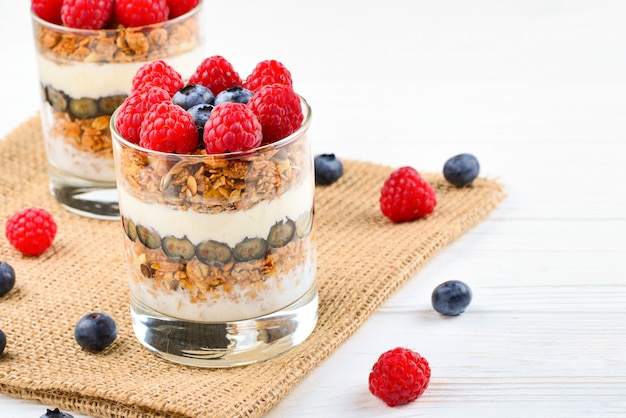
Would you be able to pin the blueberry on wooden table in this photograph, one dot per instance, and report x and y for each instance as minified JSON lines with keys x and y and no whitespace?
{"x":56,"y":413}
{"x":451,"y":298}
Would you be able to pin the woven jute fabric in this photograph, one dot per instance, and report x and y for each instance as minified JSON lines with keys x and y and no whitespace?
{"x":363,"y":259}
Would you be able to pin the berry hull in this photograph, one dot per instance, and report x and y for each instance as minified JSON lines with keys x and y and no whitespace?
{"x":84,"y":76}
{"x":220,"y":245}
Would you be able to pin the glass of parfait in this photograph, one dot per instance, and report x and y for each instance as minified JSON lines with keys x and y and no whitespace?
{"x":220,"y":248}
{"x":84,"y":75}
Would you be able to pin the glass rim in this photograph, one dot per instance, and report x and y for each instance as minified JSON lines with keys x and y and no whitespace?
{"x":306,"y":122}
{"x":67,"y":29}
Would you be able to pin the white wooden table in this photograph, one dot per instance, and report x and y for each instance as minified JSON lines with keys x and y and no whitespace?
{"x":536,"y":89}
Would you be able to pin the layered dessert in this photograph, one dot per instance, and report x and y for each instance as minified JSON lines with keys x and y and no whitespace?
{"x":86,"y":74}
{"x":219,"y":238}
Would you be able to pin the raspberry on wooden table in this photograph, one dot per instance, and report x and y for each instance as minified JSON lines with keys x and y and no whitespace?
{"x":268,"y":72}
{"x":134,"y":13}
{"x":86,"y":14}
{"x":132,"y":110}
{"x":48,"y":10}
{"x":158,"y":73}
{"x":31,"y":231}
{"x":279,"y":109}
{"x":232,"y":127}
{"x":216,"y":73}
{"x":167,"y":127}
{"x":399,"y":376}
{"x":406,"y":196}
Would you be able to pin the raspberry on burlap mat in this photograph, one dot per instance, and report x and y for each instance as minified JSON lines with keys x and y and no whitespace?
{"x":84,"y":271}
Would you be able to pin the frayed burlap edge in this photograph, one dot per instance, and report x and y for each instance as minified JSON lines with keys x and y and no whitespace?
{"x":363,"y":259}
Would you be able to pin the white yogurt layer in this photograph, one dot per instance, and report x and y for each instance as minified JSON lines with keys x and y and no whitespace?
{"x":229,"y":227}
{"x":235,"y":305}
{"x":79,"y":163}
{"x":94,"y":80}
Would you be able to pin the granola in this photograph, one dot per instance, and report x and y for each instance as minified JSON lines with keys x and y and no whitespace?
{"x":206,"y":183}
{"x":123,"y":45}
{"x":90,"y":135}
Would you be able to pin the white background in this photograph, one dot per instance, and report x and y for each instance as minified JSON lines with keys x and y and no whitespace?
{"x":537,"y":91}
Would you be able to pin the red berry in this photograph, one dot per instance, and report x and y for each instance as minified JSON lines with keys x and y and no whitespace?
{"x":48,"y":10}
{"x":86,"y":14}
{"x":217,"y":74}
{"x":406,"y":196}
{"x":180,"y":7}
{"x":167,"y":127}
{"x":279,"y":109}
{"x":31,"y":231}
{"x":134,"y":13}
{"x":268,"y":72}
{"x":132,"y":110}
{"x":399,"y":376}
{"x":232,"y":127}
{"x":158,"y":73}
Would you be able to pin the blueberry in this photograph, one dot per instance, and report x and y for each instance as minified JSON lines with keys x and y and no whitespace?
{"x":7,"y":278}
{"x":95,"y":331}
{"x":328,"y":169}
{"x":451,"y":297}
{"x":461,"y":170}
{"x":55,"y":413}
{"x":235,"y":94}
{"x":200,"y":114}
{"x":3,"y":341}
{"x":191,"y":95}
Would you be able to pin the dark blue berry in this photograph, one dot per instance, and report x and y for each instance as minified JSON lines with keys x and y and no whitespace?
{"x":461,"y":170}
{"x":95,"y":331}
{"x":235,"y":94}
{"x":328,"y":169}
{"x":56,"y":413}
{"x":3,"y":341}
{"x":7,"y":278}
{"x":451,"y":297}
{"x":200,"y":114}
{"x":191,"y":95}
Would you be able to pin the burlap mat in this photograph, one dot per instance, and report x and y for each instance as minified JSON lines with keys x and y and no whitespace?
{"x":363,"y":259}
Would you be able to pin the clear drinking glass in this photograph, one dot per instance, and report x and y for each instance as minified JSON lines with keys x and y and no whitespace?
{"x":84,"y":75}
{"x":220,"y":249}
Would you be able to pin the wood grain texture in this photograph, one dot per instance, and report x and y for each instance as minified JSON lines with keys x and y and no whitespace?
{"x":536,"y":90}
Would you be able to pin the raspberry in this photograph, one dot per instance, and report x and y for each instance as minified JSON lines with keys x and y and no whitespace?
{"x":167,"y":127}
{"x":399,"y":376}
{"x":216,"y":73}
{"x":406,"y":196}
{"x":134,"y":13}
{"x":31,"y":231}
{"x":86,"y":14}
{"x":232,"y":127}
{"x":268,"y":72}
{"x":158,"y":73}
{"x":180,"y":7}
{"x":279,"y":109}
{"x":48,"y":10}
{"x":132,"y":110}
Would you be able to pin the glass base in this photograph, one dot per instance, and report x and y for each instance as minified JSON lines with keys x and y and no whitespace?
{"x":226,"y":344}
{"x":87,"y":198}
